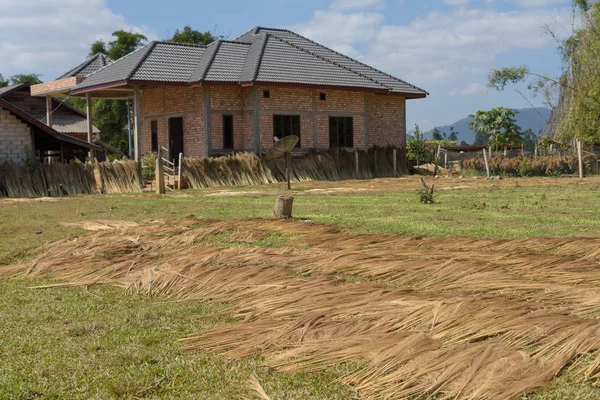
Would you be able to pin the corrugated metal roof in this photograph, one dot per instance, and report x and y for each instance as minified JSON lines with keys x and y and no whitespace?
{"x":69,"y":124}
{"x":260,"y":55}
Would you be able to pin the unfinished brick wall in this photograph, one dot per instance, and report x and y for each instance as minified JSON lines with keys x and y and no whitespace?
{"x":385,"y":115}
{"x":15,"y":138}
{"x":387,"y":123}
{"x":162,"y":103}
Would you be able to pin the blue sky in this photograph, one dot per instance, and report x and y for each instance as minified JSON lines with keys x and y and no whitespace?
{"x":444,"y":46}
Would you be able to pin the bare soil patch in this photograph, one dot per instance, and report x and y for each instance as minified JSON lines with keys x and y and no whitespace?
{"x":464,"y":318}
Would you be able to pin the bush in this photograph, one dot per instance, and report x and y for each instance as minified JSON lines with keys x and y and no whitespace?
{"x":148,"y":166}
{"x":524,"y":166}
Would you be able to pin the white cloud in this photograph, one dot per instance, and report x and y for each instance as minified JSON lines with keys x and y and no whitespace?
{"x":336,"y":28}
{"x":461,"y":42}
{"x":349,"y":4}
{"x":54,"y":35}
{"x":456,"y":2}
{"x":540,"y":3}
{"x":472,"y":89}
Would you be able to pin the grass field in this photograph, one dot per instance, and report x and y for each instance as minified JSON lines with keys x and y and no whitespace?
{"x":97,"y":342}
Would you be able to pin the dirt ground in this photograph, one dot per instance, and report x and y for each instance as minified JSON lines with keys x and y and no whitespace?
{"x":458,"y":317}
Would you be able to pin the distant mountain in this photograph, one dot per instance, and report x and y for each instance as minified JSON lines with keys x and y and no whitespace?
{"x":526,"y":118}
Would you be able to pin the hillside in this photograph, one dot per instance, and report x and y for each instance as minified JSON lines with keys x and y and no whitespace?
{"x":526,"y":118}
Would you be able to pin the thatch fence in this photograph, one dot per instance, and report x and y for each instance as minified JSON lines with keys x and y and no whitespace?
{"x":533,"y":166}
{"x":247,"y":169}
{"x":57,"y":180}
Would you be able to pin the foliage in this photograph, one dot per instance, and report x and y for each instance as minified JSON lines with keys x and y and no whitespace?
{"x":192,"y":36}
{"x":525,"y":166}
{"x":439,"y":136}
{"x":496,"y":128}
{"x":574,"y":95}
{"x":426,"y":193}
{"x":124,"y":43}
{"x":529,"y":140}
{"x":415,"y":146}
{"x":32,"y":79}
{"x":149,"y":166}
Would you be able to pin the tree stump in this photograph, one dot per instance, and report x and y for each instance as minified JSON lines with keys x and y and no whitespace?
{"x":283,"y":207}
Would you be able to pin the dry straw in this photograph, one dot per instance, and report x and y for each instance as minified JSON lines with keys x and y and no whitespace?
{"x":452,"y":318}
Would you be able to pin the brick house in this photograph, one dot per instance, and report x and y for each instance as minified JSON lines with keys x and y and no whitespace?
{"x":24,"y":130}
{"x":241,"y":95}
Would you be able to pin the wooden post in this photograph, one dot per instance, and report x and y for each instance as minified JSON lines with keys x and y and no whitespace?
{"x":49,"y":111}
{"x":159,"y":173}
{"x":535,"y":151}
{"x":287,"y":170}
{"x":487,"y":166}
{"x":137,"y":122}
{"x":179,"y":171}
{"x":395,"y":163}
{"x":356,"y":167}
{"x":445,"y":159}
{"x":62,"y":153}
{"x":523,"y":149}
{"x":283,"y":207}
{"x":580,"y":157}
{"x":90,"y":126}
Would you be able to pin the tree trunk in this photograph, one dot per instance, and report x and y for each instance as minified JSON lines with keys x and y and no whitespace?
{"x":283,"y":207}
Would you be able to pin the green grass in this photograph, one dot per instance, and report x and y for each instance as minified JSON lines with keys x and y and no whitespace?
{"x":69,"y":343}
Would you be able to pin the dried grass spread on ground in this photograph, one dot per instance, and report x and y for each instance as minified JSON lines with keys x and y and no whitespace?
{"x":466,"y":318}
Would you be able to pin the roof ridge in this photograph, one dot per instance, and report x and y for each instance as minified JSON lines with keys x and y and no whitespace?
{"x":350,"y":58}
{"x":114,"y":61}
{"x":206,"y":68}
{"x":331,"y":62}
{"x":261,"y":53}
{"x":183,"y":44}
{"x":11,"y":88}
{"x":149,"y":47}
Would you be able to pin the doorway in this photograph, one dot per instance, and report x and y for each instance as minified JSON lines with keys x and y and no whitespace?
{"x":175,"y":137}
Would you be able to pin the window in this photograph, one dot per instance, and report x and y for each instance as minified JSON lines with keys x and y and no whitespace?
{"x":286,"y":125}
{"x":227,"y":131}
{"x":154,"y":134}
{"x":323,"y":96}
{"x":267,"y":94}
{"x":341,"y":132}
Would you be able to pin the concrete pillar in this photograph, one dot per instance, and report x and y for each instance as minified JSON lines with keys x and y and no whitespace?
{"x":255,"y":120}
{"x":49,"y":111}
{"x":90,"y":125}
{"x":137,"y":122}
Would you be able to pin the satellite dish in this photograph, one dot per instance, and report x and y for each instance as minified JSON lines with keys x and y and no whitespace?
{"x":283,"y":148}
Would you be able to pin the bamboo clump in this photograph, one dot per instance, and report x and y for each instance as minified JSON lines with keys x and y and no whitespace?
{"x":448,"y":318}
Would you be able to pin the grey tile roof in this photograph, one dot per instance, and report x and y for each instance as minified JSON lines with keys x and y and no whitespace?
{"x":119,"y":70}
{"x":228,"y":62}
{"x":264,"y":55}
{"x":169,"y":62}
{"x":285,"y":63}
{"x":69,"y":124}
{"x":394,"y":84}
{"x":89,"y":66}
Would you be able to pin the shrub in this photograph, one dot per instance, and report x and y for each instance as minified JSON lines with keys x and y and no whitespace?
{"x":524,"y":166}
{"x":149,"y":166}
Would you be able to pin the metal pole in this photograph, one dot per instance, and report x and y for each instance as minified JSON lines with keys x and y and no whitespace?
{"x":90,"y":126}
{"x":395,"y":163}
{"x":130,"y":139}
{"x":287,"y":170}
{"x":179,"y":171}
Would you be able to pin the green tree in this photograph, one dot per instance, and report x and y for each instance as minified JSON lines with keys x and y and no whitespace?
{"x":436,"y":134}
{"x":32,"y":79}
{"x":3,"y":82}
{"x":192,"y":36}
{"x":529,"y":139}
{"x":496,"y":128}
{"x":453,"y":136}
{"x":415,"y":146}
{"x":110,"y":116}
{"x":574,"y":95}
